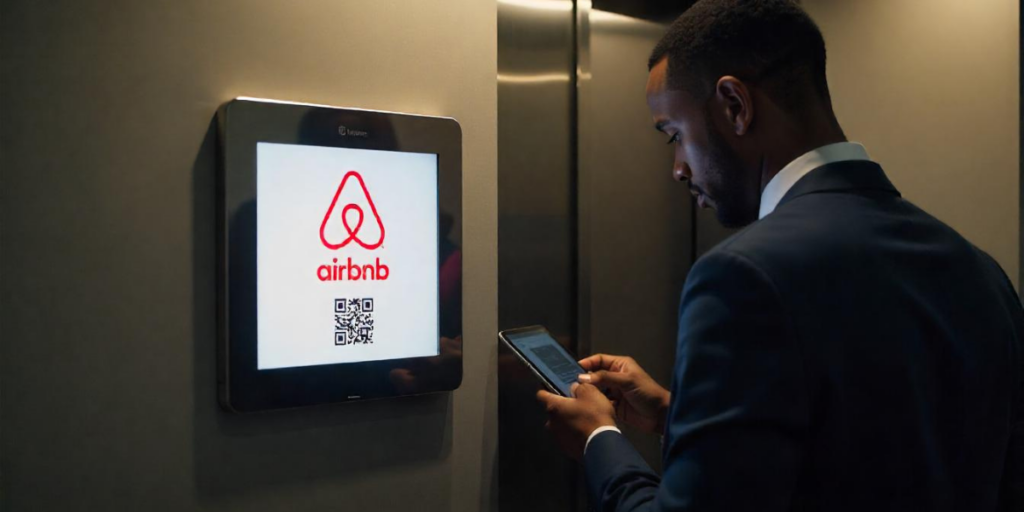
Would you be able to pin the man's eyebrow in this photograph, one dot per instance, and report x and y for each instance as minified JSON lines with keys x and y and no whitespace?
{"x":660,"y":126}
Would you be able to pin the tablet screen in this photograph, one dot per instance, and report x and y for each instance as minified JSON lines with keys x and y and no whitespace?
{"x":347,"y":255}
{"x":548,"y":357}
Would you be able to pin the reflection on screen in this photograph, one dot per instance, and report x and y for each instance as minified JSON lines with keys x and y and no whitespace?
{"x":550,"y":359}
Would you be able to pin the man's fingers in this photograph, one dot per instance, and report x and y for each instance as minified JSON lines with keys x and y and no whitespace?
{"x":605,"y":362}
{"x":616,"y":380}
{"x":584,"y":390}
{"x":596,"y":362}
{"x":550,"y":400}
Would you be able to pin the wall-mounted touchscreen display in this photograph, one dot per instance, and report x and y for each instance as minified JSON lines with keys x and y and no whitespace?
{"x":347,"y":257}
{"x":339,"y":254}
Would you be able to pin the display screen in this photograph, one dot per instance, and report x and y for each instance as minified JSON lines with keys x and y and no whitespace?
{"x":347,"y":255}
{"x":549,"y":358}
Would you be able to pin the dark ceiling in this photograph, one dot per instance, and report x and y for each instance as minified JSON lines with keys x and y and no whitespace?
{"x":654,"y":10}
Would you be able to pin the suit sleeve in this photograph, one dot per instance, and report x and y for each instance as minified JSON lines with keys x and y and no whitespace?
{"x":1011,"y":488}
{"x":739,"y":412}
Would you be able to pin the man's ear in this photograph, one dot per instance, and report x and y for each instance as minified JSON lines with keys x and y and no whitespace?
{"x":736,"y":103}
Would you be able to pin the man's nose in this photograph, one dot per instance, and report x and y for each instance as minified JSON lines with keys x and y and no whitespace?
{"x":681,"y":171}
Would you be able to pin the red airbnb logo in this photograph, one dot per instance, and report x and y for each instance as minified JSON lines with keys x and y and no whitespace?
{"x":352,"y":231}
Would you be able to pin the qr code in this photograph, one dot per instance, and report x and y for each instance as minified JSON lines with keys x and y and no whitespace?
{"x":353,"y":321}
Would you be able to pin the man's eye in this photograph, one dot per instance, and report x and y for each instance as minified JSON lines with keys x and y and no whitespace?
{"x":674,"y":139}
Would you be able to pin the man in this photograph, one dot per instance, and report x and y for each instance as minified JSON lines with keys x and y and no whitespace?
{"x":845,"y":352}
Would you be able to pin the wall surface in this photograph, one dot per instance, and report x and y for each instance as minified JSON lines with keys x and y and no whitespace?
{"x":931,"y":89}
{"x":107,"y":348}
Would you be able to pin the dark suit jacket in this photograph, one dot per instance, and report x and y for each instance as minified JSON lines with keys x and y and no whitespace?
{"x":848,"y":352}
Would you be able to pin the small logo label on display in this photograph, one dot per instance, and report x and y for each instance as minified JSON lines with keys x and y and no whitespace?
{"x":348,"y":132}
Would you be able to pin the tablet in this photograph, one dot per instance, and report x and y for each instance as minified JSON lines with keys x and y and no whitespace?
{"x":550,"y":362}
{"x":340,"y":261}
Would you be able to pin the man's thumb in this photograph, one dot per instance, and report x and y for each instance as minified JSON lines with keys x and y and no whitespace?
{"x":582,"y":390}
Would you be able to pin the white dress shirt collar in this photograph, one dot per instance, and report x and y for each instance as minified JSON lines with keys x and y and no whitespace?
{"x":791,"y":173}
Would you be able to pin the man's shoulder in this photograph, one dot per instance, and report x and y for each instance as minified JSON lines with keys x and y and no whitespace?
{"x":829,"y":233}
{"x":785,"y":237}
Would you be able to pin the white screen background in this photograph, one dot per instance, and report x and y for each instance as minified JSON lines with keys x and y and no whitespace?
{"x":295,"y":186}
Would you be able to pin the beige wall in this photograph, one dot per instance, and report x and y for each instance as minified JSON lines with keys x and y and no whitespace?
{"x":931,"y":88}
{"x":107,"y":347}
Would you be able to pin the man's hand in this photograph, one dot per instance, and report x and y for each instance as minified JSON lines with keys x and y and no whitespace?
{"x":572,"y":420}
{"x":639,"y":401}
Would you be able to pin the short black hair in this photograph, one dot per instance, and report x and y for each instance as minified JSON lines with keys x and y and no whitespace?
{"x":772,"y":42}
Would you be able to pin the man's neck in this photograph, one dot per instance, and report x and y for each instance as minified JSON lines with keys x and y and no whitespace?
{"x":792,"y":144}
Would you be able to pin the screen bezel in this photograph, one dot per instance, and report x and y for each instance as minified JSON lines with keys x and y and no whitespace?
{"x":506,"y":337}
{"x":245,"y":122}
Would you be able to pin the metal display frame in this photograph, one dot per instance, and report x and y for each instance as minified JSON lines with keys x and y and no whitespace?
{"x":245,"y":122}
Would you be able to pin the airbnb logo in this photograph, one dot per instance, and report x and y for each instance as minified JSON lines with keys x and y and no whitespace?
{"x":352,"y":232}
{"x":349,"y":270}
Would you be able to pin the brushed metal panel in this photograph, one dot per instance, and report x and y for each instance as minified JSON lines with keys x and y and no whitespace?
{"x":536,"y":237}
{"x":638,"y":227}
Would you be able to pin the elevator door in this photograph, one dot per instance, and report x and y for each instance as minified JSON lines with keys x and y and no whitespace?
{"x":636,"y":221}
{"x":595,"y":238}
{"x":536,"y":238}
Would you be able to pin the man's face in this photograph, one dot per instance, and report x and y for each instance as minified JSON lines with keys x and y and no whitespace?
{"x":715,"y":173}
